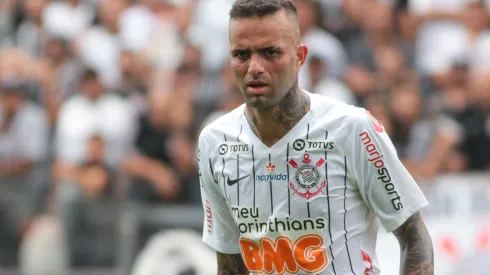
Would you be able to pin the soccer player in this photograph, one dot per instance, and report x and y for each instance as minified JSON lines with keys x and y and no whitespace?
{"x":293,"y":182}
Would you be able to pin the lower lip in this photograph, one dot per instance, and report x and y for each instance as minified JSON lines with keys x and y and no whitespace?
{"x":257,"y":90}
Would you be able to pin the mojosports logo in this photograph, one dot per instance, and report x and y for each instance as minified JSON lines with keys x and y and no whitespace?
{"x":376,"y":159}
{"x":270,"y":176}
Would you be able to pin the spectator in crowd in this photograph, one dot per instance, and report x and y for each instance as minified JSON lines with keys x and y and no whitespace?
{"x":31,"y":34}
{"x":68,"y":19}
{"x":378,"y":54}
{"x":423,"y":140}
{"x":210,"y":33}
{"x":328,"y":86}
{"x":150,"y":28}
{"x":94,"y":109}
{"x":162,"y":166}
{"x":451,"y":31}
{"x":160,"y":169}
{"x":136,"y":77}
{"x":392,"y":69}
{"x":86,"y":196}
{"x":376,"y":23}
{"x":23,"y":144}
{"x":320,"y":43}
{"x":474,"y":124}
{"x":59,"y":73}
{"x":151,"y":167}
{"x":361,"y":82}
{"x":99,"y":46}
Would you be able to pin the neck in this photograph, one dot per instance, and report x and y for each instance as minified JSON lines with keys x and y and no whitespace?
{"x":272,"y":124}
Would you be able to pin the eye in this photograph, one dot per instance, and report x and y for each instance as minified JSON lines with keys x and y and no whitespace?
{"x":242,"y":55}
{"x":271,"y":53}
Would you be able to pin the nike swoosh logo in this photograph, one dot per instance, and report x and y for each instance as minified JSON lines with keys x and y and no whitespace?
{"x":232,"y":182}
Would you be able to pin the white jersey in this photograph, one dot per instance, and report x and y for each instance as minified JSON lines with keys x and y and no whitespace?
{"x":309,"y":204}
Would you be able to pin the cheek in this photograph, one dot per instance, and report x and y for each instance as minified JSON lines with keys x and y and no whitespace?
{"x":283,"y":75}
{"x":239,"y":70}
{"x":238,"y":76}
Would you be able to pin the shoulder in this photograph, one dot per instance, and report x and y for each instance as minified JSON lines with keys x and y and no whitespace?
{"x":336,"y":90}
{"x":327,"y":108}
{"x":345,"y":120}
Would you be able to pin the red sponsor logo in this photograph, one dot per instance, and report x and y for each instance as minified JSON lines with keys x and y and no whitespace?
{"x":270,"y":167}
{"x":209,"y":216}
{"x":283,"y":255}
{"x":367,"y":261}
{"x":383,"y":175}
{"x":378,"y":127}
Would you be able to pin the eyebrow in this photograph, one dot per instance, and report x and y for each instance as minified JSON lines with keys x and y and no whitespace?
{"x":263,"y":49}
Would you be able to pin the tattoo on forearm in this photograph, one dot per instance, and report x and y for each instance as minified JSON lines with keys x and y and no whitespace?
{"x":417,"y":255}
{"x":231,"y":264}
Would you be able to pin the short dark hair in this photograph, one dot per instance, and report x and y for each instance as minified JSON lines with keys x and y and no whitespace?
{"x":89,"y":74}
{"x":260,"y":8}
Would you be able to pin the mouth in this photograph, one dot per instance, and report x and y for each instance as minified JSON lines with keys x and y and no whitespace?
{"x":256,"y":88}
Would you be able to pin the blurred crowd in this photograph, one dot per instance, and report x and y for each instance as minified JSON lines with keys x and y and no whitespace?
{"x":102,"y":101}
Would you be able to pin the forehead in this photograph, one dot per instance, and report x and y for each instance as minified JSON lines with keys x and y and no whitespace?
{"x":261,"y":32}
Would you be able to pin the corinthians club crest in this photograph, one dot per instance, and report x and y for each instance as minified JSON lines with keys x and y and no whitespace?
{"x":307,"y":177}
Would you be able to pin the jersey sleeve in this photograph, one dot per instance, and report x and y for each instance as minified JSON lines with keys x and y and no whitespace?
{"x":386,"y":186}
{"x":219,"y":231}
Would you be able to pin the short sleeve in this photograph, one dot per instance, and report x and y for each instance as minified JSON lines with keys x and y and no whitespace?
{"x":219,"y":231}
{"x":384,"y":183}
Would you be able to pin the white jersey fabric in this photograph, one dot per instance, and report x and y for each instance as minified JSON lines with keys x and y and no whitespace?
{"x":309,"y":204}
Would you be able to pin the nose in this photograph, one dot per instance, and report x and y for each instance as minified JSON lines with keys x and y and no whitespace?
{"x":255,"y":67}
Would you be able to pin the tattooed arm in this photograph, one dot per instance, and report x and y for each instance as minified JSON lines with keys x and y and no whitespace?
{"x":231,"y":264}
{"x":417,"y":255}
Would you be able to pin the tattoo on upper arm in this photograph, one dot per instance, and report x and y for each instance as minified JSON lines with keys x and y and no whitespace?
{"x":416,"y":247}
{"x":231,"y":264}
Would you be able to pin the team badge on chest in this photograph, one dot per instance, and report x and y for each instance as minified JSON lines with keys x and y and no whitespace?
{"x":307,"y":177}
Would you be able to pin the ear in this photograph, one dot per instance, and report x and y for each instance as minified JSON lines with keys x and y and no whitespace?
{"x":301,"y":53}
